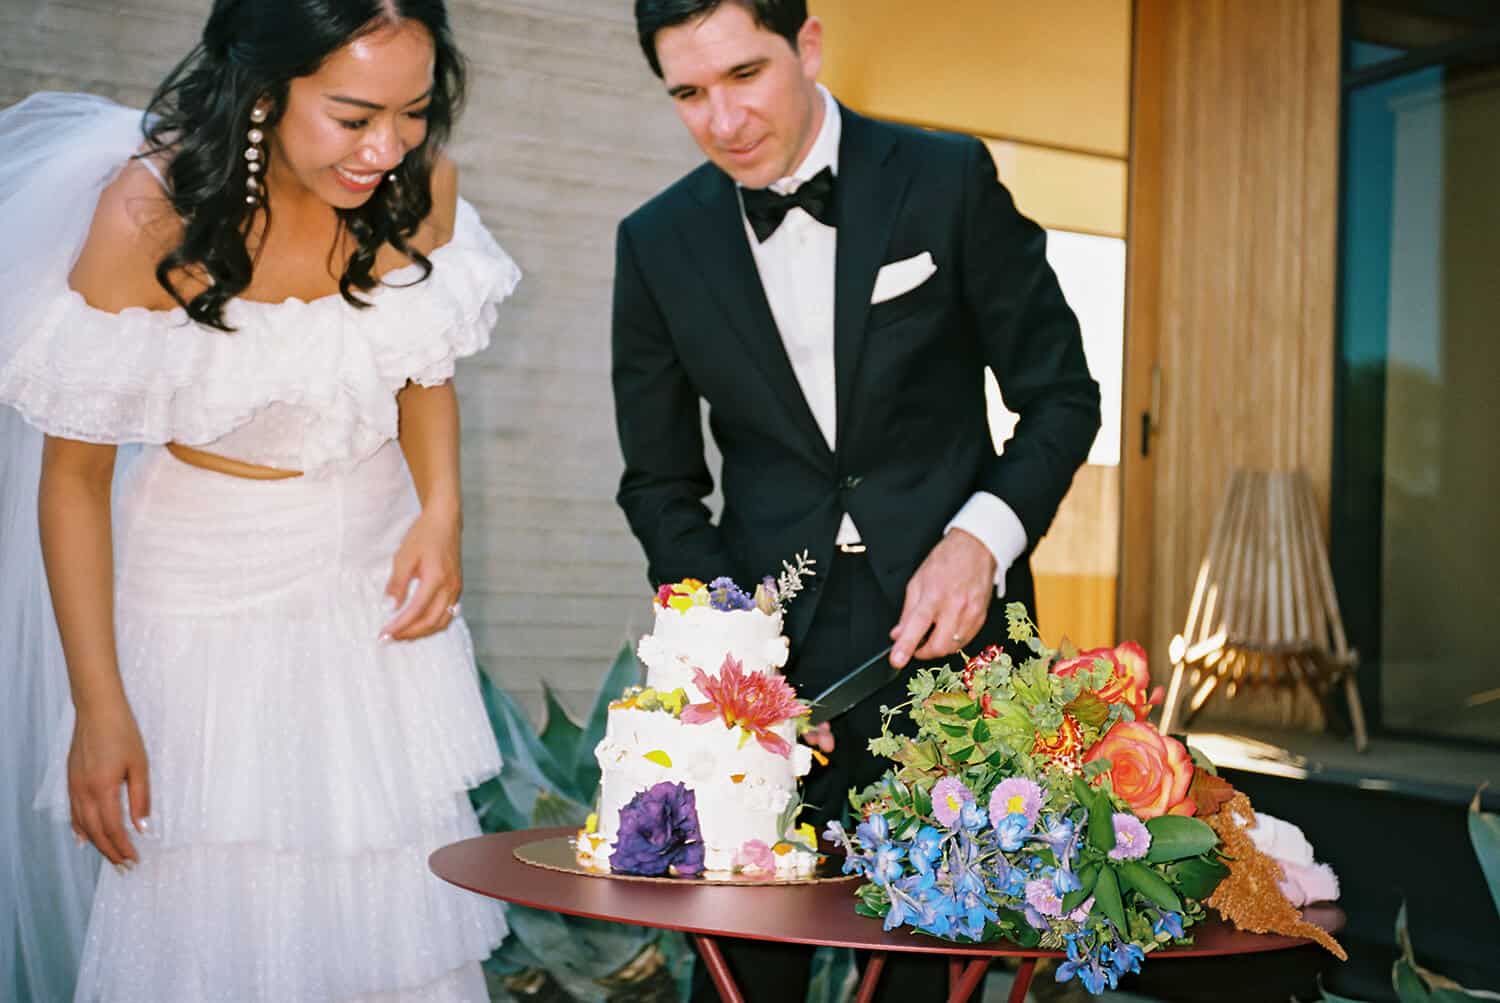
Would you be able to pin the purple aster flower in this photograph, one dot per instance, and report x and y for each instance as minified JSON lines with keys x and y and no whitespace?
{"x":1016,"y":795}
{"x":949,"y":796}
{"x":724,"y":595}
{"x":1132,"y":838}
{"x":659,"y":833}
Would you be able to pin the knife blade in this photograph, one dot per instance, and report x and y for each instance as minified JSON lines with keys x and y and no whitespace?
{"x":865,"y":679}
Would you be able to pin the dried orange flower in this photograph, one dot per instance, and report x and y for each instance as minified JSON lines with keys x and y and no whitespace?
{"x":1250,"y":897}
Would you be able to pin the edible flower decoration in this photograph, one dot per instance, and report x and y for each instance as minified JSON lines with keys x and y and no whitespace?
{"x":754,"y":702}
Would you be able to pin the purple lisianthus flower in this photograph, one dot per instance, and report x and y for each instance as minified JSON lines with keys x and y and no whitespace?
{"x":659,"y":833}
{"x":949,"y":796}
{"x":1042,"y":896}
{"x":1132,"y":838}
{"x":1016,"y":795}
{"x":725,"y":596}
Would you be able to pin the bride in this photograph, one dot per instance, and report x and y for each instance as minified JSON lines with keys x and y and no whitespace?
{"x":265,"y":281}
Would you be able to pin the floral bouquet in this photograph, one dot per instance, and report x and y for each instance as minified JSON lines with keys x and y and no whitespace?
{"x":1036,"y":804}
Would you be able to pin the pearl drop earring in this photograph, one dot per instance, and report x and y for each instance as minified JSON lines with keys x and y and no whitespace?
{"x":254,"y":156}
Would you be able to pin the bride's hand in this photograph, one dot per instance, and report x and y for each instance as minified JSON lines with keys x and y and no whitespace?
{"x":429,"y":555}
{"x":107,"y":751}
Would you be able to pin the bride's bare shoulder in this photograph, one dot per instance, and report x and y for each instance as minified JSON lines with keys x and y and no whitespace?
{"x":437,"y":229}
{"x":134,"y":226}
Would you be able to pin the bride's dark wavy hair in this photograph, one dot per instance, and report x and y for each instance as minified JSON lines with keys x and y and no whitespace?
{"x":250,"y":51}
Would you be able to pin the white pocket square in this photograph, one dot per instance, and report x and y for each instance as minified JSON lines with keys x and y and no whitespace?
{"x":901,"y":277}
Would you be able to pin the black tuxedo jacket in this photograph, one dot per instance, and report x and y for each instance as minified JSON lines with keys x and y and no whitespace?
{"x":692,"y":323}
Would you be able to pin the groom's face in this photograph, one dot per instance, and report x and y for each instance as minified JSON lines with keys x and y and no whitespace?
{"x":748,"y":97}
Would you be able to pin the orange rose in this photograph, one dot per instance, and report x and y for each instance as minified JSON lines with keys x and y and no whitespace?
{"x":1129,"y":679}
{"x":1150,"y":771}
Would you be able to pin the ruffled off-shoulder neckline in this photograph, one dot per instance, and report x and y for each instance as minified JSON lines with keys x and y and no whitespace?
{"x":154,"y":376}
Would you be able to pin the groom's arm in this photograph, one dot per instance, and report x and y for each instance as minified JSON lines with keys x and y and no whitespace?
{"x":1031,"y":340}
{"x":661,"y":436}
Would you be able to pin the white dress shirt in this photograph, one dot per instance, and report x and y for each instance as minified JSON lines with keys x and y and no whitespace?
{"x":796,"y":265}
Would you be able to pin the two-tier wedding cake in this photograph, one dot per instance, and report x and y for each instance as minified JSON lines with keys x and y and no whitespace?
{"x":700,"y":766}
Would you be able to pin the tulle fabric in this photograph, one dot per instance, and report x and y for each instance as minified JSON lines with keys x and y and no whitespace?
{"x":301,"y":772}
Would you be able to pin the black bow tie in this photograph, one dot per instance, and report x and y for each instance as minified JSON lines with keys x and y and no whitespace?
{"x":766,"y":209}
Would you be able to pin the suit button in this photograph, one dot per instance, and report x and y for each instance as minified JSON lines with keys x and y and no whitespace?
{"x":850,"y":483}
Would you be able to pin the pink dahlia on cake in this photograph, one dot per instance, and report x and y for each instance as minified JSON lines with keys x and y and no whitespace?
{"x":752,"y":701}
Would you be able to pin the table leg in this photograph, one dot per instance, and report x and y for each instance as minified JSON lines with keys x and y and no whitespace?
{"x":871,"y":978}
{"x":718,"y":970}
{"x":1019,"y":987}
{"x":961,"y":989}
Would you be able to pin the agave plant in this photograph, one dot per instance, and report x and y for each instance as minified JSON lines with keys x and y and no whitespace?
{"x":1415,"y":984}
{"x":550,"y":778}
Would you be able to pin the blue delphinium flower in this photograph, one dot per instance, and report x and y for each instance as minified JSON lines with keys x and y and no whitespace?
{"x":1169,"y":923}
{"x":973,"y":817}
{"x":1060,"y":836}
{"x":1012,"y":831}
{"x":887,"y":864}
{"x":1127,"y":958}
{"x":926,"y":849}
{"x":1064,"y":880}
{"x":873,"y":831}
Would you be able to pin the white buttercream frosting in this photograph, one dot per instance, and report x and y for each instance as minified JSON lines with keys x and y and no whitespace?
{"x":701,"y":638}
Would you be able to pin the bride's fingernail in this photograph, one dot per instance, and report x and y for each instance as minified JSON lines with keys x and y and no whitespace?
{"x":388,"y":605}
{"x":121,"y":870}
{"x":81,"y":841}
{"x":143,"y":824}
{"x":383,"y":639}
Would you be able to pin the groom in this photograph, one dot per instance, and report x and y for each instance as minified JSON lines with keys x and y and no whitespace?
{"x":834,"y":288}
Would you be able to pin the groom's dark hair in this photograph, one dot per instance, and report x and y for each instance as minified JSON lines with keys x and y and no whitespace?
{"x":784,"y":17}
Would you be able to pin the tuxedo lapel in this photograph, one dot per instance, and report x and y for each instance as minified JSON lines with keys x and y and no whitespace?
{"x":871,"y":188}
{"x":722,"y":252}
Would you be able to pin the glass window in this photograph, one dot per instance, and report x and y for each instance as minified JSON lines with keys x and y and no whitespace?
{"x":1416,"y":525}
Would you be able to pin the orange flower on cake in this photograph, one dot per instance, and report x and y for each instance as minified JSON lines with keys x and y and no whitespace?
{"x":1150,"y":771}
{"x":1129,"y":681}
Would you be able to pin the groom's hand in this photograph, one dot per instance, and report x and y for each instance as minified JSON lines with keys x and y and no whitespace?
{"x":949,"y":595}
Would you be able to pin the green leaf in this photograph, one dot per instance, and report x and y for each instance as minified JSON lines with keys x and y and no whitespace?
{"x":981,"y":731}
{"x":949,"y":702}
{"x":1017,"y":930}
{"x":969,"y":711}
{"x":1136,"y":875}
{"x":955,"y":730}
{"x":1409,"y":987}
{"x":1088,"y":877}
{"x":1101,"y":823}
{"x":1107,"y":897}
{"x":1484,"y":833}
{"x":1174,"y":837}
{"x":1197,"y":877}
{"x":560,"y":736}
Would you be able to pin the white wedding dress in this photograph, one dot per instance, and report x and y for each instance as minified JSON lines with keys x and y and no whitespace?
{"x":301,"y":772}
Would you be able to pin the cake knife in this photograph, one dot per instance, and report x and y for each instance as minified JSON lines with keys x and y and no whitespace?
{"x":866,"y":679}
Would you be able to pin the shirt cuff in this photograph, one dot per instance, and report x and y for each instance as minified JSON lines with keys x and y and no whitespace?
{"x":997,"y":526}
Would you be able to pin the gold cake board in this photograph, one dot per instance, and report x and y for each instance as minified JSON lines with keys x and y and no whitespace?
{"x":560,"y":853}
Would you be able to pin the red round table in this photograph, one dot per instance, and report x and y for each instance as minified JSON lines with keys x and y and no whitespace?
{"x":820,"y":914}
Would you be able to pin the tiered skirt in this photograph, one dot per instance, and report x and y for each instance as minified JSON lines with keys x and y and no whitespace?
{"x":301,"y":771}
